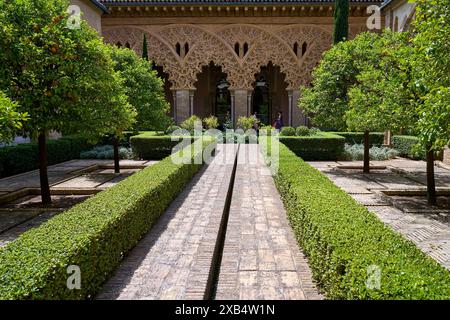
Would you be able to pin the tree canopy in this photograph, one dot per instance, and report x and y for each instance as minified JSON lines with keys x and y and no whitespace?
{"x":144,"y":89}
{"x":10,"y":120}
{"x":431,"y":71}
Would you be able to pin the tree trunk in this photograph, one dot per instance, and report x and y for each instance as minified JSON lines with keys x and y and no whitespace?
{"x":45,"y":187}
{"x":116,"y":155}
{"x":431,"y":184}
{"x":366,"y":152}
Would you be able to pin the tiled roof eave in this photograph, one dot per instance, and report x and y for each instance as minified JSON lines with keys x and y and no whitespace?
{"x":229,"y":2}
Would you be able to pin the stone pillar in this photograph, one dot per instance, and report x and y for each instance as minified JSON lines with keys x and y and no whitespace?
{"x":183,"y":104}
{"x":298,"y":117}
{"x":290,"y":108}
{"x":240,"y":103}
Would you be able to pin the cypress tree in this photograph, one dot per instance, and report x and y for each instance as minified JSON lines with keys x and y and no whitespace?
{"x":144,"y":48}
{"x":341,"y":11}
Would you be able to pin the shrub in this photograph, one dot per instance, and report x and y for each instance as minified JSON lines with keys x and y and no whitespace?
{"x":302,"y":131}
{"x":245,"y":123}
{"x":189,"y":124}
{"x":148,"y":146}
{"x":356,"y":152}
{"x":106,"y":152}
{"x":408,"y":146}
{"x":211,"y":122}
{"x":375,"y":138}
{"x":342,"y":239}
{"x":287,"y":132}
{"x":313,"y":131}
{"x":94,"y":235}
{"x":25,"y":157}
{"x":172,"y":129}
{"x":323,"y":146}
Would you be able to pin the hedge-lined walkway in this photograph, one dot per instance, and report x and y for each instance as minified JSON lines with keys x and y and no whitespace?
{"x":174,"y":260}
{"x":261,"y":258}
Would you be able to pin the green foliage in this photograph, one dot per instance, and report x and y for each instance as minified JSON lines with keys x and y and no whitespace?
{"x":63,"y":78}
{"x":145,"y":90}
{"x":383,"y":98}
{"x":172,"y":128}
{"x":355,"y":152}
{"x":287,"y":132}
{"x":341,"y":11}
{"x":327,"y":99}
{"x":342,"y":239}
{"x":211,"y":122}
{"x":302,"y":131}
{"x":245,"y":123}
{"x":25,"y":157}
{"x":148,"y":146}
{"x":190,"y":123}
{"x":375,"y":138}
{"x":10,"y":120}
{"x":145,"y":48}
{"x":431,"y":69}
{"x":409,"y":146}
{"x":94,"y":235}
{"x":106,"y":152}
{"x":323,"y":146}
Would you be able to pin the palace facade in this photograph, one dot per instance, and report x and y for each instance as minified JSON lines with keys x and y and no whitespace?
{"x":231,"y":58}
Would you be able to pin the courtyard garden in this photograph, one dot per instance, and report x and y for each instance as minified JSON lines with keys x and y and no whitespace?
{"x":126,"y":204}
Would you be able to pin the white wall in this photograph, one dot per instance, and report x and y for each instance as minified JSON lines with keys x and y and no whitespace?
{"x":91,"y":13}
{"x":397,"y":14}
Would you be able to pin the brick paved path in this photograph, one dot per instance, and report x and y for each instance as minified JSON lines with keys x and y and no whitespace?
{"x":261,"y":258}
{"x":174,"y":259}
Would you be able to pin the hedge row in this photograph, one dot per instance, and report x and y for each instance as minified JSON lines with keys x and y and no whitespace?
{"x":322,"y":146}
{"x":342,"y":239}
{"x":375,"y":138}
{"x":93,"y":235}
{"x":149,"y":146}
{"x":406,"y":146}
{"x":25,"y":157}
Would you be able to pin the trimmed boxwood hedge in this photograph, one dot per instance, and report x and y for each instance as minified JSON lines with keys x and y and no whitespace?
{"x":149,"y":146}
{"x":405,"y":146}
{"x":93,"y":235}
{"x":375,"y":138}
{"x":342,"y":239}
{"x":25,"y":157}
{"x":322,"y":146}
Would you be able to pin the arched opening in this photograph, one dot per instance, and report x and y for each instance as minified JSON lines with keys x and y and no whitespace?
{"x":212,"y":95}
{"x":270,"y":95}
{"x":186,"y":48}
{"x":236,"y":49}
{"x":304,"y":48}
{"x":178,"y":49}
{"x":296,"y":49}
{"x":245,"y":48}
{"x":127,"y":45}
{"x":119,"y":44}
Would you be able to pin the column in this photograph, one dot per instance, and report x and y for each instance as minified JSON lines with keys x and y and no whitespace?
{"x":299,"y":118}
{"x":184,"y":106}
{"x":241,"y":103}
{"x":291,"y":108}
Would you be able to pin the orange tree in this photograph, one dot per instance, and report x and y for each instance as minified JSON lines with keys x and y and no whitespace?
{"x":10,"y":120}
{"x":62,"y":76}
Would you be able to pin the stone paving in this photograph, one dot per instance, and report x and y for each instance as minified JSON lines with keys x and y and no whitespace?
{"x":261,"y":258}
{"x":427,"y":227}
{"x":174,"y":259}
{"x":76,"y":176}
